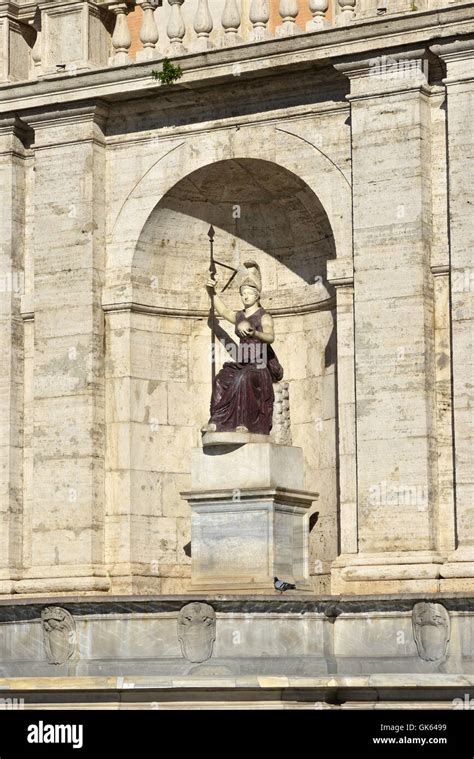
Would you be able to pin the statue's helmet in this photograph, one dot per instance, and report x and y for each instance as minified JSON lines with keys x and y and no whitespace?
{"x":251,"y":276}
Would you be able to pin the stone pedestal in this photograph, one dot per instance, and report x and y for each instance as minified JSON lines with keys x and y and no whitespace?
{"x":249,"y":517}
{"x":74,"y":37}
{"x":15,"y":41}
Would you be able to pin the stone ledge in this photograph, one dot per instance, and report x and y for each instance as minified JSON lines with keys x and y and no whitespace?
{"x":241,"y":682}
{"x":332,"y":606}
{"x":250,"y":692}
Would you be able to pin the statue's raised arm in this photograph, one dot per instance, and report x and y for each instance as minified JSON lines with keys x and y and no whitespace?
{"x":219,"y":304}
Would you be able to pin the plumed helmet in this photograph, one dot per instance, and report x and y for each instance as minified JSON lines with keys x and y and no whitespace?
{"x":251,"y":276}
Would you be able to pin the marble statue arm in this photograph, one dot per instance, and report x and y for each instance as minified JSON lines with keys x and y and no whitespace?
{"x":219,"y":305}
{"x":268,"y":335}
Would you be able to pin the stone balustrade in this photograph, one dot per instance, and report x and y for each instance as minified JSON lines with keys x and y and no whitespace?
{"x":54,"y":36}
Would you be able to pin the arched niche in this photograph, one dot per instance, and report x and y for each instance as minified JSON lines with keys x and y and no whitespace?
{"x":259,"y":210}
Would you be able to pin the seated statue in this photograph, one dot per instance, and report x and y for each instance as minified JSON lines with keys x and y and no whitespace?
{"x":242,"y":393}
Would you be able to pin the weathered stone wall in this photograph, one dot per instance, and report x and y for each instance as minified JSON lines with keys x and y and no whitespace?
{"x":352,"y":189}
{"x":361,"y":643}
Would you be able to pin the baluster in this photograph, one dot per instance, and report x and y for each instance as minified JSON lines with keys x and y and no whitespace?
{"x":203,"y":26}
{"x":318,"y":8}
{"x":288,"y":11}
{"x":36,"y":50}
{"x":259,"y":16}
{"x":176,"y":29}
{"x":36,"y":54}
{"x":231,"y":22}
{"x":347,"y":13}
{"x":121,"y":39}
{"x":149,"y":32}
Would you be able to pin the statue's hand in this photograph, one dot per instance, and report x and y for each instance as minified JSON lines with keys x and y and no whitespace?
{"x":245,"y":329}
{"x":211,"y":285}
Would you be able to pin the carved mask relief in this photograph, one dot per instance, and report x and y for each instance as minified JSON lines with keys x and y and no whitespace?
{"x":431,"y":630}
{"x":197,"y":631}
{"x":59,"y":630}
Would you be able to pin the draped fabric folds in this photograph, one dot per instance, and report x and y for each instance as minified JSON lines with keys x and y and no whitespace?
{"x":242,"y":395}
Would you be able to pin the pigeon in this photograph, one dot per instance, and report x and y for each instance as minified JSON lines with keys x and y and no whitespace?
{"x":282,"y":586}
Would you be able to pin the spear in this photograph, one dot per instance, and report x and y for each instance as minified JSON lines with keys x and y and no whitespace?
{"x":212,"y":272}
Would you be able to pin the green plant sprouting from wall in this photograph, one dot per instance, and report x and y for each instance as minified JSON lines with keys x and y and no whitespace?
{"x":169,"y":73}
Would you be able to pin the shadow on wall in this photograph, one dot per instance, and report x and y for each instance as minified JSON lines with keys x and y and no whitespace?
{"x":259,"y":210}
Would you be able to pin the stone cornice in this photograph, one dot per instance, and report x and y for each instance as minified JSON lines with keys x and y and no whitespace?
{"x":330,"y":605}
{"x":409,"y":88}
{"x":82,"y":115}
{"x":290,"y":497}
{"x":440,"y":270}
{"x":458,"y":55}
{"x":374,"y":76}
{"x":343,"y":282}
{"x":460,"y":49}
{"x":94,"y":111}
{"x":14,"y":10}
{"x":12,"y":125}
{"x":362,"y":65}
{"x":192,"y":313}
{"x":319,"y":49}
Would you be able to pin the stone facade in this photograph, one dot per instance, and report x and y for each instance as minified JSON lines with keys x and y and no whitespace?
{"x":337,"y":155}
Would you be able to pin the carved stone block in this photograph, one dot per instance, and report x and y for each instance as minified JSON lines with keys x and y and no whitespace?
{"x":197,"y":631}
{"x":431,"y":630}
{"x":59,"y":630}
